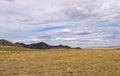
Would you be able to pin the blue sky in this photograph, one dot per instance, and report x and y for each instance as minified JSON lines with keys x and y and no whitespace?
{"x":77,"y":23}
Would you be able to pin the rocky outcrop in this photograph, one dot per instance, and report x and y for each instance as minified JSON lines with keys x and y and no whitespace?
{"x":41,"y":45}
{"x":6,"y":43}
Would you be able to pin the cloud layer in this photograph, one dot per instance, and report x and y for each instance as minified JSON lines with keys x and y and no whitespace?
{"x":83,"y":23}
{"x":102,"y":10}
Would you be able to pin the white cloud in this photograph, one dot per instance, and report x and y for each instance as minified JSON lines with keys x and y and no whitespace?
{"x":99,"y":10}
{"x":66,"y":39}
{"x":66,"y":30}
{"x":90,"y":21}
{"x":34,"y":13}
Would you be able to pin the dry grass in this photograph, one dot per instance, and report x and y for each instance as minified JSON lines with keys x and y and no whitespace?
{"x":59,"y":62}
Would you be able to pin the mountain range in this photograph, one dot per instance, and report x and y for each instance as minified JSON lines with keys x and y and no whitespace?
{"x":40,"y":45}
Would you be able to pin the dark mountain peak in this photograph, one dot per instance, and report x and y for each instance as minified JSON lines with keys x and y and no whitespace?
{"x":20,"y":44}
{"x":40,"y":45}
{"x":63,"y":46}
{"x":17,"y":43}
{"x":5,"y":42}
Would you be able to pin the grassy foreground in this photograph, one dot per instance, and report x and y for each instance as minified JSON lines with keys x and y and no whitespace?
{"x":59,"y":62}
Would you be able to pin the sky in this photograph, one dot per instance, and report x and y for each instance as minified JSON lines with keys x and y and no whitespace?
{"x":77,"y":23}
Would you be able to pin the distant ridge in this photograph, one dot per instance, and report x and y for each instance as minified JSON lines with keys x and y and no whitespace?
{"x":41,"y":45}
{"x":5,"y":42}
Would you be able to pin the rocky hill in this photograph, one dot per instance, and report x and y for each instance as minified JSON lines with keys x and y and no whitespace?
{"x":41,"y":45}
{"x":6,"y":43}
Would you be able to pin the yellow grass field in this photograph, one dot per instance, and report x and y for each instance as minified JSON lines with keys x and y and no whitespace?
{"x":59,"y":62}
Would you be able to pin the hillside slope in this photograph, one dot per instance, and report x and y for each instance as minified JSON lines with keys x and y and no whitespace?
{"x":40,"y":45}
{"x":5,"y":42}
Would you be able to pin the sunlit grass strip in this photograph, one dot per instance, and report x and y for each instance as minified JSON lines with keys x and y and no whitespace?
{"x":59,"y":62}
